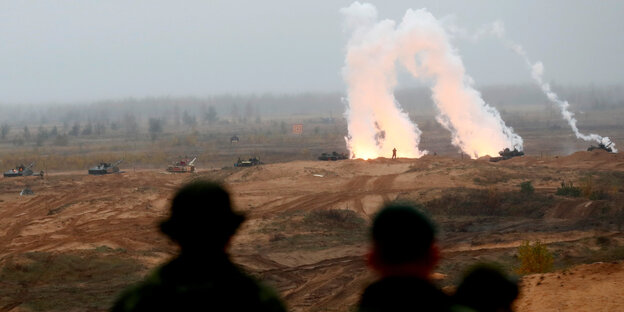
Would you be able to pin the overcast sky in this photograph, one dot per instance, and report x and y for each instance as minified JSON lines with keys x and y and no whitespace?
{"x":85,"y":50}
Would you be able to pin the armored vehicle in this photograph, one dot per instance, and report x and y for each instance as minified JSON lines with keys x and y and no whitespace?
{"x":601,"y":146}
{"x":332,"y":156}
{"x":248,"y":163}
{"x":506,"y":154}
{"x":183,"y":166}
{"x":105,"y":168}
{"x":20,"y":171}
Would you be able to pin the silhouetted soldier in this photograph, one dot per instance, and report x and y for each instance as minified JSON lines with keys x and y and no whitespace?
{"x":404,"y":253}
{"x":202,"y":277}
{"x":485,"y":289}
{"x":394,"y":153}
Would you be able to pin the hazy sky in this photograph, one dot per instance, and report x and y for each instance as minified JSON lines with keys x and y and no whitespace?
{"x":84,"y":50}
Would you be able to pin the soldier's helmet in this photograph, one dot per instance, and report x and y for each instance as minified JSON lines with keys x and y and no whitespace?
{"x":201,"y":216}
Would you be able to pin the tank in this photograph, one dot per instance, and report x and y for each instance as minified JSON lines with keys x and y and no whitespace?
{"x":332,"y":156}
{"x":507,"y":154}
{"x":248,"y":163}
{"x":601,"y":146}
{"x":183,"y":166}
{"x":105,"y":168}
{"x":20,"y":171}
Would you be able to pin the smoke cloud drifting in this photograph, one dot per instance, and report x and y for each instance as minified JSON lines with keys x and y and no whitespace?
{"x":376,"y":122}
{"x":537,"y":73}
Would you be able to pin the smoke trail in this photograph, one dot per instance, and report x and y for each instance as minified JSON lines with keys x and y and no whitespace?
{"x":422,"y":46}
{"x":376,"y":122}
{"x":537,"y":73}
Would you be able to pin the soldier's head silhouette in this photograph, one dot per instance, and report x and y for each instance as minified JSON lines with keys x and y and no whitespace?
{"x":403,"y":241}
{"x":202,"y":219}
{"x":486,"y":288}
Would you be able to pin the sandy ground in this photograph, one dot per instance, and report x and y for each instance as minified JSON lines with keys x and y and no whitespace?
{"x":312,"y":269}
{"x":587,"y":287}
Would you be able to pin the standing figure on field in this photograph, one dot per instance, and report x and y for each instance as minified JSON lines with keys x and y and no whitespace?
{"x":394,"y":153}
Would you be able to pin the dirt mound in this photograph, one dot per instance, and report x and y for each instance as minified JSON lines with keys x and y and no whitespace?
{"x":589,"y":287}
{"x":576,"y":209}
{"x":596,"y":155}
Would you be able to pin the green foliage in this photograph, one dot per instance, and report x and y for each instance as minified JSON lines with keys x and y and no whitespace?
{"x":527,"y":188}
{"x":534,"y":258}
{"x":568,"y":190}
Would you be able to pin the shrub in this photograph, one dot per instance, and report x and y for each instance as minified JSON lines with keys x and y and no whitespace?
{"x":592,"y":190}
{"x":527,"y":188}
{"x":335,"y":219}
{"x":534,"y":258}
{"x":568,"y":190}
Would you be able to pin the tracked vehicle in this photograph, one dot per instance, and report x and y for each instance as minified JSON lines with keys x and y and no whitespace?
{"x":507,"y":154}
{"x":601,"y":146}
{"x":183,"y":166}
{"x":20,"y":171}
{"x":105,"y":168}
{"x":248,"y":163}
{"x":332,"y":156}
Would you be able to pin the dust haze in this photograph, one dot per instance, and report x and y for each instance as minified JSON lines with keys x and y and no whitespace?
{"x":263,"y":95}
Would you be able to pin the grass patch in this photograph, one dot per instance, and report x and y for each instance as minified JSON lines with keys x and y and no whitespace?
{"x":490,"y":202}
{"x":534,"y":258}
{"x":568,"y":190}
{"x":333,"y":220}
{"x":315,"y":230}
{"x":42,"y":281}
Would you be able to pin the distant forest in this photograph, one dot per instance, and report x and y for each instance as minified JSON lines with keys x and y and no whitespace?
{"x":247,"y":108}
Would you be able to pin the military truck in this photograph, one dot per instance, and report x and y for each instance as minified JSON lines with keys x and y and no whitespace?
{"x":333,"y":156}
{"x":183,"y":166}
{"x":507,"y":154}
{"x":248,"y":163}
{"x":601,"y":146}
{"x":105,"y":168}
{"x":21,"y":171}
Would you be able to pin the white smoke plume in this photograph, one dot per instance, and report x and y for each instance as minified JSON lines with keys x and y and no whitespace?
{"x":537,"y":73}
{"x":376,"y":123}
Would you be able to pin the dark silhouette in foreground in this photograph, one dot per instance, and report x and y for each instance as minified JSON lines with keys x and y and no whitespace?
{"x":202,"y":277}
{"x":404,"y":254}
{"x":486,"y":289}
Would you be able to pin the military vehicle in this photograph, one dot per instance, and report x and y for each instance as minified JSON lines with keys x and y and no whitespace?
{"x":234,"y":139}
{"x":21,"y":171}
{"x":183,"y":166}
{"x":105,"y":168}
{"x":506,"y":154}
{"x":248,"y":163}
{"x":601,"y":146}
{"x":332,"y":156}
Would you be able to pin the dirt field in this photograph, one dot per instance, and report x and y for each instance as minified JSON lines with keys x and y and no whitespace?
{"x":81,"y":239}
